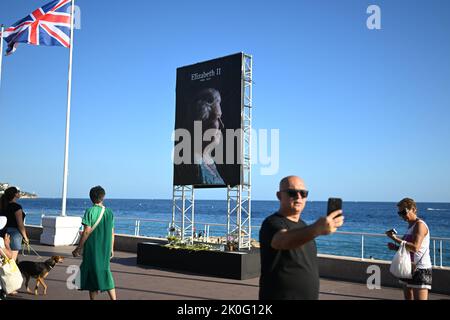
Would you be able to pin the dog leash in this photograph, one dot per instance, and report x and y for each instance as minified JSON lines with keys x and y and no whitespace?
{"x":28,"y":247}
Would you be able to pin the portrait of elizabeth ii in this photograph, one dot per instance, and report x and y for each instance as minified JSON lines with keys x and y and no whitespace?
{"x":206,"y":109}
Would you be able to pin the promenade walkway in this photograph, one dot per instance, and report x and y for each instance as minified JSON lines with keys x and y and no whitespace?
{"x":145,"y":283}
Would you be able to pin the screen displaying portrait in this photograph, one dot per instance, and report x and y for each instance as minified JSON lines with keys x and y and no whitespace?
{"x":207,"y":152}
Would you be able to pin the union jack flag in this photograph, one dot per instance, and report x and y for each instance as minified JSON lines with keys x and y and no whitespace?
{"x":46,"y":26}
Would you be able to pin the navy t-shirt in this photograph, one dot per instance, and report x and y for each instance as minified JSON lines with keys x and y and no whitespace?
{"x":287,"y":274}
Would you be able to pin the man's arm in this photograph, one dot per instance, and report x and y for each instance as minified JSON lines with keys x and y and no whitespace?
{"x":285,"y":240}
{"x":291,"y":239}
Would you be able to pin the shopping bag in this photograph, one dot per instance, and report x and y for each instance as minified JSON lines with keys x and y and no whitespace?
{"x":401,"y":266}
{"x":10,"y":276}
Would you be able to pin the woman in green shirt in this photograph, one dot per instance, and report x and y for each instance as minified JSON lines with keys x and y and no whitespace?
{"x":97,"y":243}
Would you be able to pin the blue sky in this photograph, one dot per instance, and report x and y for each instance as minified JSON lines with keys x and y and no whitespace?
{"x":363,"y":114}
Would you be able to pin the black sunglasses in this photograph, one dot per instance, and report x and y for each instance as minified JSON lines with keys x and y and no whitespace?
{"x":292,"y":193}
{"x":402,"y":213}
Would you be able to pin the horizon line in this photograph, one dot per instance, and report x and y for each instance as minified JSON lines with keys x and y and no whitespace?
{"x":275,"y":200}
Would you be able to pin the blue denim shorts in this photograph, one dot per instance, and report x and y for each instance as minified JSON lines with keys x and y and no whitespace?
{"x":16,"y":238}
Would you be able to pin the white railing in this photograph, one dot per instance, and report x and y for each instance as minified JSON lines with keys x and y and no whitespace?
{"x":137,"y":224}
{"x":381,"y":235}
{"x":362,"y":235}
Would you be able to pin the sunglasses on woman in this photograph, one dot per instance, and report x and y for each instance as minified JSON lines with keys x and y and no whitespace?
{"x":402,"y":213}
{"x":292,"y":193}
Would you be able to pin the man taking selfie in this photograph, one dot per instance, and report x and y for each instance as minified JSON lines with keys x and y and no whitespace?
{"x":289,"y":267}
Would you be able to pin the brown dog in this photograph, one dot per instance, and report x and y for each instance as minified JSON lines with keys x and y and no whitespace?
{"x":39,"y":271}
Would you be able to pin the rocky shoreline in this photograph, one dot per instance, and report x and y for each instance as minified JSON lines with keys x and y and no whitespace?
{"x":23,"y":194}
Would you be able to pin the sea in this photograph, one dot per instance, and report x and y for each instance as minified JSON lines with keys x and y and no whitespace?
{"x":362,"y":217}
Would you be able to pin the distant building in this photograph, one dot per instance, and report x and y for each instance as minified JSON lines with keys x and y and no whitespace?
{"x":4,"y":186}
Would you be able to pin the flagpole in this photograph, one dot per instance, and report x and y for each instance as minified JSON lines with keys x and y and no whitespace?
{"x":1,"y":52}
{"x":69,"y":95}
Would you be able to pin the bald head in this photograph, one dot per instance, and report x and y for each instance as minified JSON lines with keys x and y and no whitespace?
{"x":290,"y":182}
{"x":291,"y":206}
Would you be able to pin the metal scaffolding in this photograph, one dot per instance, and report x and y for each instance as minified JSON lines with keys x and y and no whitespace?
{"x":183,"y":213}
{"x":239,"y":226}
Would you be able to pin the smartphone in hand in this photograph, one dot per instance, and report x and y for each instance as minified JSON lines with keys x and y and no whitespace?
{"x":333,"y":205}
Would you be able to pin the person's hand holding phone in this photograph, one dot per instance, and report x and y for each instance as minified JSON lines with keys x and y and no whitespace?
{"x":329,"y":224}
{"x":391,"y":234}
{"x":333,"y":205}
